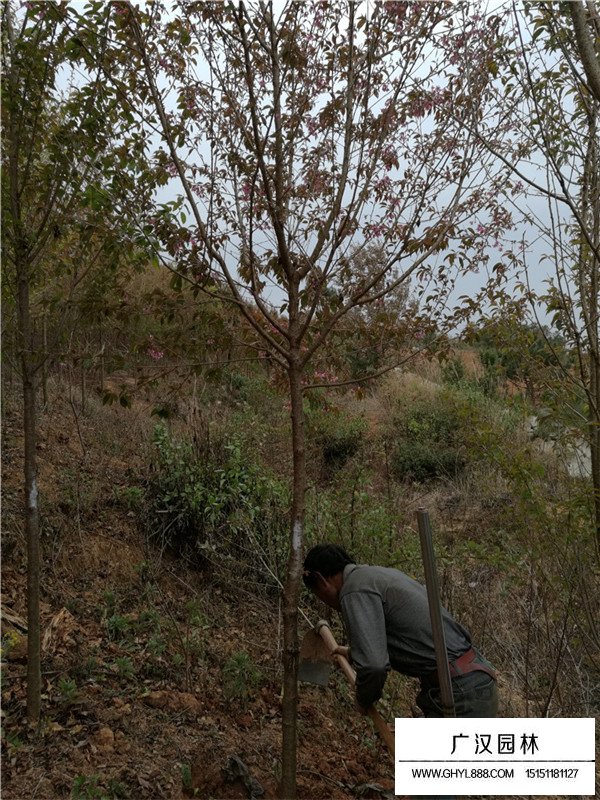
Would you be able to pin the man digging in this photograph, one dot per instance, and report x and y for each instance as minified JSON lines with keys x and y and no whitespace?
{"x":387,"y":620}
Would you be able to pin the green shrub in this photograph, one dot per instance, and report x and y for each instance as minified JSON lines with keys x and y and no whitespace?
{"x":246,"y":389}
{"x":186,"y":779}
{"x":124,"y":667}
{"x":336,"y":434}
{"x":131,"y":497}
{"x":364,"y":515}
{"x":117,"y":627}
{"x":202,"y":505}
{"x":241,"y":677}
{"x":85,"y":787}
{"x":453,"y":372}
{"x":428,"y":440}
{"x":424,"y":461}
{"x":68,"y":689}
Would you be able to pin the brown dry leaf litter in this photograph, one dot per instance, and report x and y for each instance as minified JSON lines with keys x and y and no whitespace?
{"x":118,"y":719}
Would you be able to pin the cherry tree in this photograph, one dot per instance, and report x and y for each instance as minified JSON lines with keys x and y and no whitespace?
{"x":60,"y":242}
{"x":303,"y":135}
{"x":547,"y":94}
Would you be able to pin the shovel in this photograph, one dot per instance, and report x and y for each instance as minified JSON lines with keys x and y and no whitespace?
{"x":316,"y":661}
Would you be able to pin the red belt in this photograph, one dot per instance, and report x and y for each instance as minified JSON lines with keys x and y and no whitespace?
{"x":463,"y":665}
{"x":467,"y":663}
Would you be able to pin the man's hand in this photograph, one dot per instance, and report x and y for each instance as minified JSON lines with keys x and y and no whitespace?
{"x":342,"y":651}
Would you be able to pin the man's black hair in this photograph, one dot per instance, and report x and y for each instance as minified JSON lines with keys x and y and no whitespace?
{"x":327,"y":559}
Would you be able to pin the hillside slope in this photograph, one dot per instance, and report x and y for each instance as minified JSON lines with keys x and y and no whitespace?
{"x":155,"y":674}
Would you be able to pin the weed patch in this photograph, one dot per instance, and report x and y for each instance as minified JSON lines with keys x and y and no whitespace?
{"x":198,"y":506}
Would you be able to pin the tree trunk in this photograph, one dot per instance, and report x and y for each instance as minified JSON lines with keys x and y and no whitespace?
{"x":586,"y":46}
{"x":589,"y":288}
{"x":102,"y":367}
{"x":34,"y":678}
{"x":26,"y":350}
{"x":291,"y":591}
{"x":594,"y":410}
{"x":82,"y":385}
{"x":45,"y":360}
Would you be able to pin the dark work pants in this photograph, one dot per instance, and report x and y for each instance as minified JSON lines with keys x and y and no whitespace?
{"x":475,"y":695}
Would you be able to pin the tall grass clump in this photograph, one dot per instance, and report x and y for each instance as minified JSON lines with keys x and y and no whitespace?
{"x":215,"y":503}
{"x":334,"y":437}
{"x":427,"y":439}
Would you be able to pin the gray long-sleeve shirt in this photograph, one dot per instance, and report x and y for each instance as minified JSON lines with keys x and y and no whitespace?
{"x":387,"y":620}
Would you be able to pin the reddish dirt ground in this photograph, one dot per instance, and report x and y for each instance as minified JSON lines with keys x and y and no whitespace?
{"x":130,"y":708}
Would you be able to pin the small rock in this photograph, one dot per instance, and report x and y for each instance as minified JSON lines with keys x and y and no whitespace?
{"x":104,"y":739}
{"x":174,"y":701}
{"x":122,"y":706}
{"x":121,"y":743}
{"x":59,"y":632}
{"x":236,"y":770}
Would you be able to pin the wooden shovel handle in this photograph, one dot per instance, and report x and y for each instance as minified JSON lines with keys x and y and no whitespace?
{"x":383,"y":729}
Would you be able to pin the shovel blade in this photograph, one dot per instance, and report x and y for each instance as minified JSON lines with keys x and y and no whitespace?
{"x":314,"y":672}
{"x":315,"y":660}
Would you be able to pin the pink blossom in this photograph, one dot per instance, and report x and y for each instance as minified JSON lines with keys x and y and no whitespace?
{"x":383,"y":185}
{"x":397,"y":12}
{"x":375,"y":230}
{"x":325,"y":376}
{"x":389,"y":157}
{"x":155,"y":354}
{"x":246,"y":191}
{"x":318,"y":183}
{"x":437,"y":96}
{"x":313,"y":125}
